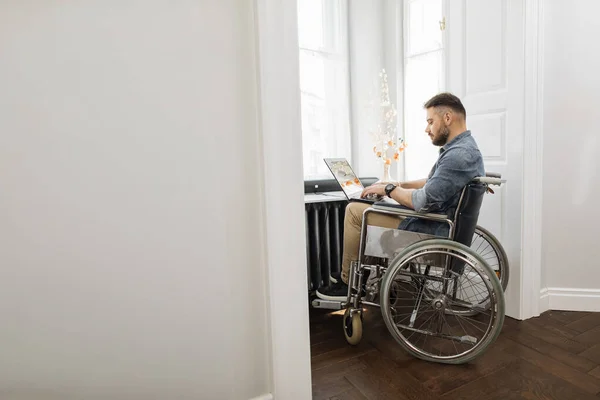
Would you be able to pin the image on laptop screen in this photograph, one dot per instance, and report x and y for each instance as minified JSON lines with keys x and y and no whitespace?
{"x":343,"y":173}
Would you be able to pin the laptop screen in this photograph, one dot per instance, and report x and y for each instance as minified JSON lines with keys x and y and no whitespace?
{"x":341,"y":170}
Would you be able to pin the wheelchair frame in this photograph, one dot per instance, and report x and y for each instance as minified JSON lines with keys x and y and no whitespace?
{"x":356,"y":299}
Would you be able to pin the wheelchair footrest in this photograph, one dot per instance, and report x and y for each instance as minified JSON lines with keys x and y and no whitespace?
{"x":328,"y":304}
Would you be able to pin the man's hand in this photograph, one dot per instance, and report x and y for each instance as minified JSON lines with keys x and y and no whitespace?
{"x":377,"y":189}
{"x":402,"y":194}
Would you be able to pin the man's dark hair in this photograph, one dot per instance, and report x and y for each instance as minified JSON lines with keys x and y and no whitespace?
{"x":446,"y":100}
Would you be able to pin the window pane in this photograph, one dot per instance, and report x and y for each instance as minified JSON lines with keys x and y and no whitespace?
{"x":312,"y":74}
{"x":324,"y":84}
{"x":325,"y":115}
{"x":424,"y":32}
{"x":314,"y":136}
{"x":310,"y":24}
{"x":424,"y":79}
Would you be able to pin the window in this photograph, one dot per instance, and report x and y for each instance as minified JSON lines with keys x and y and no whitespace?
{"x":324,"y":84}
{"x":424,"y":77}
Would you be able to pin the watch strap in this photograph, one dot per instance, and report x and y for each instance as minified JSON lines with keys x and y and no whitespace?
{"x":389,"y":189}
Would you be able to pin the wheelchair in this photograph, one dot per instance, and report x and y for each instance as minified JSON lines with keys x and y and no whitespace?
{"x":440,"y":298}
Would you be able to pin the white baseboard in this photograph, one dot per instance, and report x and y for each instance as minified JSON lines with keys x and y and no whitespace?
{"x":544,"y":300}
{"x":567,"y":299}
{"x":266,"y":396}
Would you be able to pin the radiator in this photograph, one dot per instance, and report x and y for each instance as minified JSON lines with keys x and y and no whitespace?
{"x":324,"y":240}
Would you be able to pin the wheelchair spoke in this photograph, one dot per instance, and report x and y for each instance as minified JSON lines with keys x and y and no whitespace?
{"x":471,"y":322}
{"x":481,"y":243}
{"x":453,"y":342}
{"x":428,"y":322}
{"x":416,"y":330}
{"x":421,"y":310}
{"x":477,"y":288}
{"x":422,"y":328}
{"x":485,"y":255}
{"x":408,"y":316}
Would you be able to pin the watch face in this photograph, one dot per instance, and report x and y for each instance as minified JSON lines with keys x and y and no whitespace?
{"x":389,"y":188}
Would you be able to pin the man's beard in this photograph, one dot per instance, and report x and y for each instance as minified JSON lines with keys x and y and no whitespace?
{"x":442,"y":138}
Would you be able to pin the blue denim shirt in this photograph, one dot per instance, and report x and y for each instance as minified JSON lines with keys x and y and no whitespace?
{"x":458,"y":163}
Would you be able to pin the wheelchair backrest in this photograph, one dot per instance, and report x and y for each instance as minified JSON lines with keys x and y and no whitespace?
{"x":467,"y":212}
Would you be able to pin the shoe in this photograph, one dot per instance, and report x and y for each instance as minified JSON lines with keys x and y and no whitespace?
{"x":336,"y":292}
{"x":335,"y":277}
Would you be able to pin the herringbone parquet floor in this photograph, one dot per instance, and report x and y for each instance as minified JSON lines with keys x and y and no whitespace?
{"x":554,"y":356}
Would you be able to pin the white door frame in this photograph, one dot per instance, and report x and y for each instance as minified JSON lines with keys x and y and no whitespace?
{"x":281,"y":136}
{"x":532,"y":303}
{"x":277,"y":48}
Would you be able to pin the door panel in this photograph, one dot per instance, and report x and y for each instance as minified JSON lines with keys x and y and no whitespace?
{"x":485,"y":68}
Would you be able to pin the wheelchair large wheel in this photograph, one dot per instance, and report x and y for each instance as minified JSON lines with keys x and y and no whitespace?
{"x":487,"y":246}
{"x":426,"y":281}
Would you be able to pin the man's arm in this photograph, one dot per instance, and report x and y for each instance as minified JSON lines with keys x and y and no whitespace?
{"x":455,"y":168}
{"x":418,"y":184}
{"x":401,"y":195}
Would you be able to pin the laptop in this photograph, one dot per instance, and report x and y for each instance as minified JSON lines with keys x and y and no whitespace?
{"x":349,"y":182}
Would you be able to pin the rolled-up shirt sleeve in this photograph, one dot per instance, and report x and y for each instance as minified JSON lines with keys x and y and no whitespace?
{"x":455,"y":169}
{"x":419,"y":199}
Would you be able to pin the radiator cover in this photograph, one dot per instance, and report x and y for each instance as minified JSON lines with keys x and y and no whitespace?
{"x":324,"y":241}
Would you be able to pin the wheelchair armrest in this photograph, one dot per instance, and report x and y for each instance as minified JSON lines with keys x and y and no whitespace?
{"x":493,"y":174}
{"x":489,"y":180}
{"x":407,"y":212}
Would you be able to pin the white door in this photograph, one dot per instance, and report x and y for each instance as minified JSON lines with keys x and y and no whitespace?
{"x":485,"y":68}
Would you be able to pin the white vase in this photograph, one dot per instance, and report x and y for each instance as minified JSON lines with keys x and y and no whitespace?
{"x":385,"y":178}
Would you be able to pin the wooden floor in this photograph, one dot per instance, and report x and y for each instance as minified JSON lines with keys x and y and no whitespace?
{"x":554,"y":356}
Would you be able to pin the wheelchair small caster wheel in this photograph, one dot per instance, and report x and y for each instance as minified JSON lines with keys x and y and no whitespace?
{"x":352,"y":327}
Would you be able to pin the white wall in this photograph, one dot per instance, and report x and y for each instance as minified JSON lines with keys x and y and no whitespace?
{"x":131,"y":247}
{"x":571,"y":216}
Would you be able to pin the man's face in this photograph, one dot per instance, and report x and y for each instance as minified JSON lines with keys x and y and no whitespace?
{"x":437,"y":129}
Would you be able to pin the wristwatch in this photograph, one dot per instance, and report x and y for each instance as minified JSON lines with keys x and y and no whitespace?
{"x":389,"y":188}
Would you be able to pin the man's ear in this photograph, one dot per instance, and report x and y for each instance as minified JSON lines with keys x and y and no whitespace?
{"x":448,"y":117}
